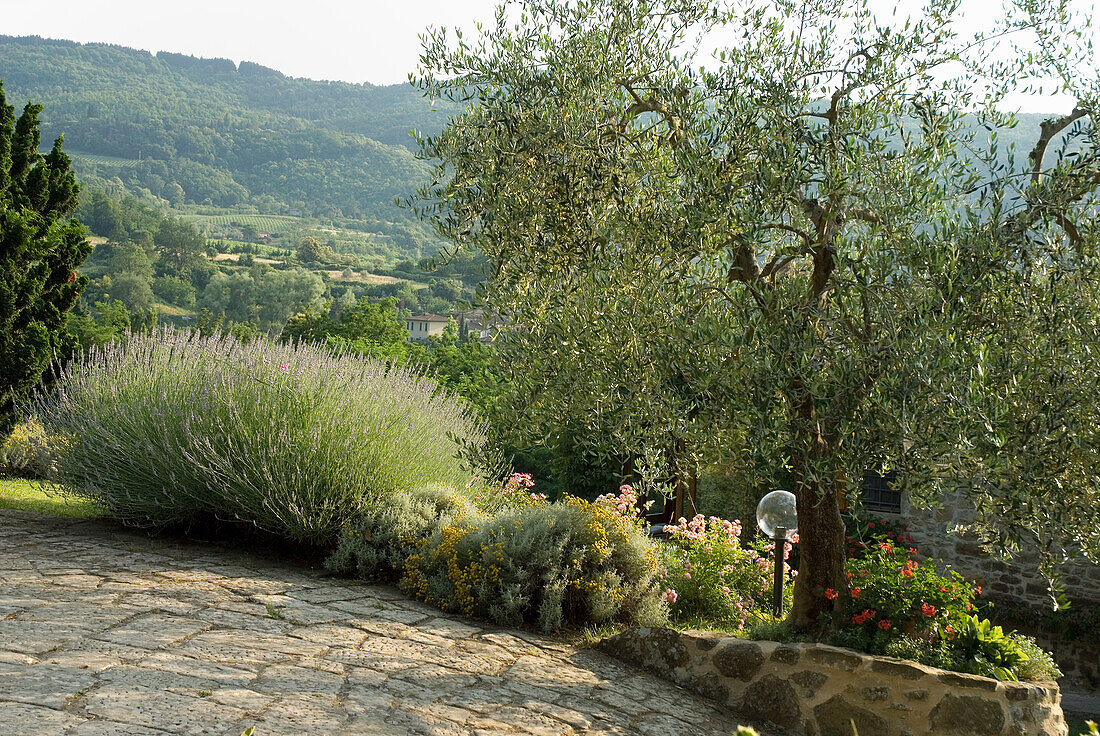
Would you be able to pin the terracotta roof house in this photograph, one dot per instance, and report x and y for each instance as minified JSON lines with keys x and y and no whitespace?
{"x":423,"y":326}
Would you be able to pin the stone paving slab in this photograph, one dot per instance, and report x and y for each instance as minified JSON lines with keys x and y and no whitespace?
{"x":106,"y":631}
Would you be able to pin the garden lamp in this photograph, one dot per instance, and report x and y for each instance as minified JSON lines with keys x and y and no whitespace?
{"x":777,"y":517}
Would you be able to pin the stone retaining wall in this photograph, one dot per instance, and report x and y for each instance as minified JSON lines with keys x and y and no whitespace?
{"x":818,"y":690}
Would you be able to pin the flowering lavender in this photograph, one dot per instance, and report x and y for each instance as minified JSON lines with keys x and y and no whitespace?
{"x":168,"y":427}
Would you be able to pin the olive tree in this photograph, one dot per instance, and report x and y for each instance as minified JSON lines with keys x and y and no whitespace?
{"x":804,"y":250}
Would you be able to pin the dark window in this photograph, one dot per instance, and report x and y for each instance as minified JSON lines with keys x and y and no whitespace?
{"x":878,"y":496}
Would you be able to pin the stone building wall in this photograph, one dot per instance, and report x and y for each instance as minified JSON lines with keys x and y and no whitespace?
{"x":1018,"y":580}
{"x":817,"y":690}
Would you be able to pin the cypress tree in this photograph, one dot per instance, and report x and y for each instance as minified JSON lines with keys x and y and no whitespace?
{"x":40,"y":249}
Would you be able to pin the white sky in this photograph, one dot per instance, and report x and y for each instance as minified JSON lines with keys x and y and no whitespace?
{"x":372,"y":41}
{"x":350,"y":40}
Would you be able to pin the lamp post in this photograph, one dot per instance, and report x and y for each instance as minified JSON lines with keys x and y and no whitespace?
{"x":777,"y":517}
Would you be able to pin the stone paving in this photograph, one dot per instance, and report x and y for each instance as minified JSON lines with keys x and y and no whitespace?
{"x":109,"y":632}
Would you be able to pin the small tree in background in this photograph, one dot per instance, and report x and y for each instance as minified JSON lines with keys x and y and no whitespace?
{"x":39,"y":253}
{"x":804,"y":252}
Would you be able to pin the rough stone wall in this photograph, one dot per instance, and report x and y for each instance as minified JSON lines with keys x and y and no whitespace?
{"x":1017,"y":582}
{"x":818,"y":690}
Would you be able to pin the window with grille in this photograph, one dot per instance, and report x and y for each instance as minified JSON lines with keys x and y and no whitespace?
{"x":878,"y":495}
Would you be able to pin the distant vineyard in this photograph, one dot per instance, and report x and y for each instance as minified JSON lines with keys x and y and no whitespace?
{"x":259,"y":223}
{"x":92,"y":158}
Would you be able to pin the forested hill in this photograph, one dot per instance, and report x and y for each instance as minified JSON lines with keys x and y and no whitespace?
{"x":205,"y":131}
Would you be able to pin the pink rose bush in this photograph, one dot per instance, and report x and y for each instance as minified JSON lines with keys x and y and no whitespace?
{"x":713,"y":575}
{"x":515,"y":493}
{"x":626,"y":502}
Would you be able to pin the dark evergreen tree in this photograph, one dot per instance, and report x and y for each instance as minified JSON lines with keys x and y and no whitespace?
{"x":40,"y":250}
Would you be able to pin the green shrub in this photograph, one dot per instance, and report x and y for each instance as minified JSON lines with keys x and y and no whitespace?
{"x":555,"y":565}
{"x":933,"y":654}
{"x":28,"y":451}
{"x":1039,"y":665}
{"x":173,"y":427}
{"x":986,"y":650}
{"x":774,"y":631}
{"x":729,"y":489}
{"x":376,"y":542}
{"x":514,"y":493}
{"x":507,"y":555}
{"x":977,"y":648}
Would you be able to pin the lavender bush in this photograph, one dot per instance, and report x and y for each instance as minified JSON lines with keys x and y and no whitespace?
{"x":171,"y":427}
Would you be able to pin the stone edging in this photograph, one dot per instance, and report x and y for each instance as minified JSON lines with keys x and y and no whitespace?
{"x":818,"y":690}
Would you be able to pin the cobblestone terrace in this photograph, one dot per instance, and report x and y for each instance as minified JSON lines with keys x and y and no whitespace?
{"x":106,"y":631}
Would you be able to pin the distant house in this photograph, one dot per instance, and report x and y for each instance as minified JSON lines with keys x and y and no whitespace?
{"x":423,"y":326}
{"x":474,"y":325}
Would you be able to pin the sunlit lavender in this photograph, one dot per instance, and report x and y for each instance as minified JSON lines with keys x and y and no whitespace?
{"x":169,"y":427}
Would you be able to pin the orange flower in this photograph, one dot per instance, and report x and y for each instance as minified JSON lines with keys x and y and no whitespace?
{"x":831,"y":594}
{"x":884,"y":625}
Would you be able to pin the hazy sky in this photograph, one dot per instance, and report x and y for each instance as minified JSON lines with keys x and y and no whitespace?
{"x":351,"y":40}
{"x":356,"y":41}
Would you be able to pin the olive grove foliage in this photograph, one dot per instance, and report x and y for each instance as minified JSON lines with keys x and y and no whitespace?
{"x":798,"y":253}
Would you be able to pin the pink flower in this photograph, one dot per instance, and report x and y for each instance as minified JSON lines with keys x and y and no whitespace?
{"x":725,"y":590}
{"x":687,"y":576}
{"x":285,"y":367}
{"x":670,"y":595}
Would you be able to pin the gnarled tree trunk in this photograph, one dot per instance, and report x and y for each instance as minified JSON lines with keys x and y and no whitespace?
{"x":820,"y":526}
{"x":821,"y":542}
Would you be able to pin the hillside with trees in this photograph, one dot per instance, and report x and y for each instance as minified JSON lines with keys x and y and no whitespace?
{"x":203,"y":132}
